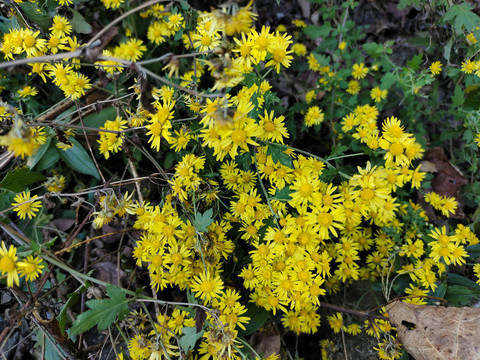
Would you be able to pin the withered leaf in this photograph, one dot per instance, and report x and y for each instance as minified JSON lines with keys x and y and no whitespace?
{"x":200,"y":317}
{"x":435,"y":332}
{"x":447,"y":180}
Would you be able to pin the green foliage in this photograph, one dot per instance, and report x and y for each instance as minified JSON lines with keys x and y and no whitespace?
{"x":327,"y":192}
{"x":203,"y":221}
{"x":79,"y":160}
{"x":463,"y":18}
{"x":102,"y":313}
{"x":17,"y":180}
{"x":189,"y":338}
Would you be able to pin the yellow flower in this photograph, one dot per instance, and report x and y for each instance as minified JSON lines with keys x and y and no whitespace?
{"x":468,"y":66}
{"x":314,"y":116}
{"x":342,"y":45}
{"x":359,"y":71}
{"x":207,"y":287}
{"x":112,"y":4}
{"x":30,"y":268}
{"x":25,"y":206}
{"x":299,"y":23}
{"x":272,"y":127}
{"x":378,"y":94}
{"x":8,"y":264}
{"x":299,"y":49}
{"x":336,"y":322}
{"x":61,"y":27}
{"x":27,"y":91}
{"x":55,"y":183}
{"x":353,"y":87}
{"x":476,"y":270}
{"x":436,"y":68}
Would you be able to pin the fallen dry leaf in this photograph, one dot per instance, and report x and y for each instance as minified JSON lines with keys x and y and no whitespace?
{"x":447,"y":180}
{"x":435,"y":332}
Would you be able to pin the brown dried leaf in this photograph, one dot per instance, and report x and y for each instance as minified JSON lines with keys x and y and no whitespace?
{"x":447,"y":180}
{"x":437,"y":333}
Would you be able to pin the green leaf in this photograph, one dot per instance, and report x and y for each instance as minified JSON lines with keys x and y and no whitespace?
{"x":102,"y":312}
{"x":458,"y":98}
{"x":49,"y":159}
{"x":388,"y":80}
{"x":457,"y":295}
{"x":317,"y":31}
{"x":461,"y":291}
{"x":33,"y":160}
{"x":62,"y":317}
{"x":30,"y":10}
{"x":79,"y":24}
{"x":282,"y":195}
{"x":415,"y":62}
{"x":322,"y":59}
{"x":278,"y":155}
{"x":203,"y":221}
{"x":373,"y":49}
{"x":455,"y":279}
{"x":473,"y":251}
{"x":78,"y":159}
{"x":244,"y":160}
{"x":96,"y":120}
{"x":189,"y":338}
{"x":258,"y":316}
{"x":337,"y":150}
{"x":17,"y":180}
{"x":439,"y":292}
{"x":463,"y":18}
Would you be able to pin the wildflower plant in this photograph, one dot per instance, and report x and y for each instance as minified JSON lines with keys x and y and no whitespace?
{"x":165,"y":138}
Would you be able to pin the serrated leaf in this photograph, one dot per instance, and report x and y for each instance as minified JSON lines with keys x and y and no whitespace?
{"x":244,"y":160}
{"x":463,"y":18}
{"x":388,"y":80}
{"x":322,"y":59}
{"x":282,"y":195}
{"x":189,"y":338}
{"x":278,"y":155}
{"x":415,"y":62}
{"x":203,"y":221}
{"x":17,"y":180}
{"x":102,"y":312}
{"x":338,"y":150}
{"x":78,"y":159}
{"x":79,"y":24}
